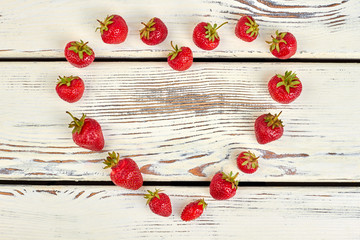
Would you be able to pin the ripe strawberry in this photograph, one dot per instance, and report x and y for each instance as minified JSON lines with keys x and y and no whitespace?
{"x":268,"y":128}
{"x":205,"y":35}
{"x":113,"y":30}
{"x":181,"y":58}
{"x":247,"y":162}
{"x":285,"y":89}
{"x":283,"y":46}
{"x":79,"y":54}
{"x":223,"y":186}
{"x":247,"y":29}
{"x":70,"y":89}
{"x":124,"y":172}
{"x":154,"y":32}
{"x":87,"y":133}
{"x":193,"y":210}
{"x":159,"y":203}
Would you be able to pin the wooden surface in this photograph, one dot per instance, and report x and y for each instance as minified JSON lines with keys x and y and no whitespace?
{"x":63,"y":212}
{"x":323,"y":28}
{"x":180,"y":126}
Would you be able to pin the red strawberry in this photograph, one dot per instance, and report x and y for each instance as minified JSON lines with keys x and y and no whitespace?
{"x":181,"y":58}
{"x":124,"y":172}
{"x":247,"y":162}
{"x":79,"y":54}
{"x":285,"y":89}
{"x":268,"y":128}
{"x":205,"y":35}
{"x":159,"y":203}
{"x":193,"y":210}
{"x":283,"y":46}
{"x":87,"y":133}
{"x":113,"y":30}
{"x":247,"y":29}
{"x":223,"y":186}
{"x":154,"y":32}
{"x":70,"y":89}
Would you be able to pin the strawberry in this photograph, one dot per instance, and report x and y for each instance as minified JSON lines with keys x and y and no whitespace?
{"x":70,"y":89}
{"x":193,"y":210}
{"x":87,"y":133}
{"x":247,"y":29}
{"x":268,"y":128}
{"x":113,"y":30}
{"x":223,"y":186}
{"x":181,"y":58}
{"x":159,"y":203}
{"x":205,"y":35}
{"x":283,"y":46}
{"x":154,"y":32}
{"x":124,"y":172}
{"x":79,"y":54}
{"x":285,"y":89}
{"x":247,"y":162}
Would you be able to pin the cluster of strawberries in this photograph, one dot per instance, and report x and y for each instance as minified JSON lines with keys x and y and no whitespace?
{"x":125,"y":172}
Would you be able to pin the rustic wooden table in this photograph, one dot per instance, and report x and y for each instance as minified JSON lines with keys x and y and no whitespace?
{"x":180,"y":127}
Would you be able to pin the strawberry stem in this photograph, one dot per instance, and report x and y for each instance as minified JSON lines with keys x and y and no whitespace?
{"x":251,"y":160}
{"x":80,"y":48}
{"x":273,"y":121}
{"x":230,"y":178}
{"x":151,"y":195}
{"x":77,"y":124}
{"x":175,"y":52}
{"x":211,"y":32}
{"x":112,"y":160}
{"x":104,"y":25}
{"x":289,"y":80}
{"x":275,"y":41}
{"x":66,"y":80}
{"x":149,"y":27}
{"x":253,"y":27}
{"x":203,"y":203}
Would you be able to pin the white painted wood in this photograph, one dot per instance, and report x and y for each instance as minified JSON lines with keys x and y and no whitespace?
{"x":68,"y":212}
{"x":180,"y":126}
{"x":324,"y":28}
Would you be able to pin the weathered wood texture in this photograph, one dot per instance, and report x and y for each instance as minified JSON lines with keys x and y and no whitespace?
{"x":66,"y":212}
{"x":180,"y":126}
{"x":324,"y":28}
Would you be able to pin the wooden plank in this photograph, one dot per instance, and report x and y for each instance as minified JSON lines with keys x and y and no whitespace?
{"x":324,"y":28}
{"x":84,"y":212}
{"x":180,"y":125}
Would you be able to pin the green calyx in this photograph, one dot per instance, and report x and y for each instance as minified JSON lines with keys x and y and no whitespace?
{"x":211,"y":32}
{"x":273,"y":121}
{"x":111,"y":160}
{"x":80,"y":48}
{"x":253,"y":27}
{"x":152,"y":195}
{"x":149,"y":27}
{"x":104,"y":25}
{"x":66,"y":80}
{"x":77,"y":124}
{"x":274,"y":43}
{"x":289,"y":80}
{"x":203,"y":203}
{"x":175,"y":52}
{"x":251,"y":160}
{"x":230,"y":178}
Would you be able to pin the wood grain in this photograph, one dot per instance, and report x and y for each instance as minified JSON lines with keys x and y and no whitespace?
{"x":324,"y":28}
{"x":181,"y":126}
{"x":67,"y":212}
